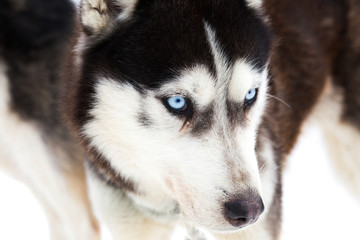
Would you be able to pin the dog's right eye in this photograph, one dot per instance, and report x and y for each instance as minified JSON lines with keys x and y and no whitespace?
{"x":177,"y":103}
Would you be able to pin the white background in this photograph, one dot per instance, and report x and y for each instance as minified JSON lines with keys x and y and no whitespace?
{"x":316,"y":206}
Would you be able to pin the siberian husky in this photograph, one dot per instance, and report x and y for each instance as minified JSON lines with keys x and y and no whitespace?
{"x":143,"y":114}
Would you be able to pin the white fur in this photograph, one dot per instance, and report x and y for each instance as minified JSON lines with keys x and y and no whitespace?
{"x":244,"y":78}
{"x":122,"y":218}
{"x":241,"y":82}
{"x":25,"y":156}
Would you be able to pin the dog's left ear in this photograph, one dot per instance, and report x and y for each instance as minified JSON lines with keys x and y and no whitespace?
{"x":99,"y":16}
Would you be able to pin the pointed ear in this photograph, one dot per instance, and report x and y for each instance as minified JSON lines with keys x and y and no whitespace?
{"x":99,"y":16}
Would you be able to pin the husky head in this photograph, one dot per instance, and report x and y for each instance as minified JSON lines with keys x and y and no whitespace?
{"x":171,"y":94}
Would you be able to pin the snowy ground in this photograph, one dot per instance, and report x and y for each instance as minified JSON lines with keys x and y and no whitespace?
{"x":316,"y":206}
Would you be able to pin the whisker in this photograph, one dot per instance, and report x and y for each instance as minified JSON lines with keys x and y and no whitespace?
{"x":262,"y":169}
{"x":266,"y":167}
{"x":282,"y":101}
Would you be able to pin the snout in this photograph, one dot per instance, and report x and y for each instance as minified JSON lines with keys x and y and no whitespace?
{"x":243,"y":212}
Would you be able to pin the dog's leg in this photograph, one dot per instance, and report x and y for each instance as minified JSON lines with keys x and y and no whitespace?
{"x":56,"y":178}
{"x":117,"y":212}
{"x":342,"y":138}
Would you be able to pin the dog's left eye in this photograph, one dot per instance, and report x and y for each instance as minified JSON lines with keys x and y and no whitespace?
{"x":250,"y":97}
{"x":251,"y":94}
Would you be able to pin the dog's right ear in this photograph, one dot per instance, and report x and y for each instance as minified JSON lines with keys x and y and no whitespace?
{"x":99,"y":16}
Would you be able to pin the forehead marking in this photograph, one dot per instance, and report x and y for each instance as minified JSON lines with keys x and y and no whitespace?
{"x":221,"y":63}
{"x":222,"y":75}
{"x":221,"y":124}
{"x":241,"y":165}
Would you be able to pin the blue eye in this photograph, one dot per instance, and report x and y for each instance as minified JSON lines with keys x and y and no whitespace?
{"x":251,"y":95}
{"x":177,"y":103}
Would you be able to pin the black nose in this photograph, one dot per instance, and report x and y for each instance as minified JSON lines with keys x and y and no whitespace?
{"x":243,"y":212}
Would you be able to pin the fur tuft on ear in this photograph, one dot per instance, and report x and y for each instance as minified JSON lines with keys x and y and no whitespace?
{"x":99,"y":16}
{"x":256,"y":4}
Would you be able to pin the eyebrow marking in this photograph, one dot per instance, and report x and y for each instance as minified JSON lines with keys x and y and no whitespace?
{"x":242,"y":80}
